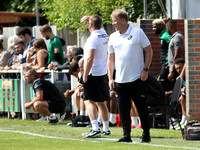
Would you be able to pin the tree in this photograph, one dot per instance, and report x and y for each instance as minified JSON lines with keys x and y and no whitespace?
{"x":28,"y":6}
{"x":18,"y":5}
{"x":67,"y":13}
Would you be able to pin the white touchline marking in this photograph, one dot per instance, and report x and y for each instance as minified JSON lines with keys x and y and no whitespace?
{"x":110,"y":139}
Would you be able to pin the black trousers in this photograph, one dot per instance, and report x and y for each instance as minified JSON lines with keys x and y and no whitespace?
{"x":135,"y":91}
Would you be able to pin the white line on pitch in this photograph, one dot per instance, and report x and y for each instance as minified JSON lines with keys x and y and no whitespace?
{"x":110,"y":139}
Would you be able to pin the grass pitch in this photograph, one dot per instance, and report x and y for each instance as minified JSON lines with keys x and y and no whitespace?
{"x":31,"y":135}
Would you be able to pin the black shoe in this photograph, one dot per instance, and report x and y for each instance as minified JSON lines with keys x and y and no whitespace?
{"x":125,"y":139}
{"x":112,"y":124}
{"x":100,"y":124}
{"x":53,"y":120}
{"x":146,"y":138}
{"x":105,"y":132}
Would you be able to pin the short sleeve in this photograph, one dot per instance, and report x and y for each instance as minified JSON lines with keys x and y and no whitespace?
{"x":110,"y":46}
{"x":37,"y":86}
{"x":178,"y":42}
{"x":93,"y":44}
{"x":144,"y":39}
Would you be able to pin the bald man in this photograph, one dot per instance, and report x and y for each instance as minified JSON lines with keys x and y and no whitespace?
{"x":159,"y":28}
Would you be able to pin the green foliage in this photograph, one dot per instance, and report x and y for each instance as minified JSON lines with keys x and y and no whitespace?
{"x":18,"y":5}
{"x":67,"y":13}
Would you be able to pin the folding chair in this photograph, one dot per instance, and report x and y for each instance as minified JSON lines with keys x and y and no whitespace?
{"x":169,"y":108}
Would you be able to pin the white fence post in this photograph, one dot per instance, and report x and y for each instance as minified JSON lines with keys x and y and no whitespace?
{"x":22,"y":93}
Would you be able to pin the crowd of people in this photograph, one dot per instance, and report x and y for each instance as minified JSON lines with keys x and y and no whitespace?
{"x":112,"y":72}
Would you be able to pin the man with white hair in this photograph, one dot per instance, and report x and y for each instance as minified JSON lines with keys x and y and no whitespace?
{"x":125,"y":54}
{"x":159,"y":28}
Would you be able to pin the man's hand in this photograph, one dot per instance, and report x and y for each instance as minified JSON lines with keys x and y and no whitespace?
{"x":68,"y":93}
{"x":51,"y":66}
{"x":85,"y":78}
{"x":144,"y":75}
{"x":27,"y":105}
{"x":111,"y":85}
{"x":85,"y":18}
{"x":171,"y":76}
{"x":7,"y":68}
{"x":42,"y":69}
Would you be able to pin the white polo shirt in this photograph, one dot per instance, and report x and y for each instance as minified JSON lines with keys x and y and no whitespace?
{"x":129,"y":57}
{"x":98,"y":40}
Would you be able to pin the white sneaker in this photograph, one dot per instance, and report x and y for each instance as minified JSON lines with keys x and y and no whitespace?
{"x":42,"y":119}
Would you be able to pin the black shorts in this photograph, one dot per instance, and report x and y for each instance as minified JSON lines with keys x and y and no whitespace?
{"x":56,"y":106}
{"x":96,"y":88}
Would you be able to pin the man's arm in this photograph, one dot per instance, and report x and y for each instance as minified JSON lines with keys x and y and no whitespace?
{"x":111,"y":66}
{"x":88,"y":64}
{"x":38,"y":97}
{"x":148,"y":58}
{"x":177,"y":52}
{"x":182,"y":74}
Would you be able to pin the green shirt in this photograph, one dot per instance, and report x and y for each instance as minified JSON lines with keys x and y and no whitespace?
{"x":165,"y":39}
{"x":55,"y":51}
{"x":164,"y":35}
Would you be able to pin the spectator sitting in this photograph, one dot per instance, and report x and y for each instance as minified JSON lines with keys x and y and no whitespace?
{"x":3,"y":37}
{"x":72,"y":51}
{"x":77,"y":72}
{"x":155,"y":92}
{"x":26,"y":36}
{"x":14,"y":60}
{"x":11,"y":43}
{"x":4,"y":55}
{"x":180,"y":68}
{"x":40,"y":58}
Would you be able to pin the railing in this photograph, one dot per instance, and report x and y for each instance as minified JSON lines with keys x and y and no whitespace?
{"x":52,"y":79}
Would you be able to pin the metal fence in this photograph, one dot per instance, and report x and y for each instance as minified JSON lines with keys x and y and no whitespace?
{"x":14,"y":93}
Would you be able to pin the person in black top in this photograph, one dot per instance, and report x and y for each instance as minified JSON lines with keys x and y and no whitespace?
{"x":47,"y":99}
{"x":159,"y":28}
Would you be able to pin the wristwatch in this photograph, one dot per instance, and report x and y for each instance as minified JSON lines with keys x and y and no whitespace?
{"x":146,"y":69}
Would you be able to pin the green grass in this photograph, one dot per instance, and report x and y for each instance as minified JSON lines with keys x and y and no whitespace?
{"x":18,"y":135}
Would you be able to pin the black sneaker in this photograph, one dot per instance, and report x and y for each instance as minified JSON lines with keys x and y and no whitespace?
{"x":106,"y":132}
{"x":146,"y":138}
{"x":92,"y":134}
{"x":112,"y":124}
{"x":125,"y":139}
{"x":53,"y":120}
{"x":100,"y":124}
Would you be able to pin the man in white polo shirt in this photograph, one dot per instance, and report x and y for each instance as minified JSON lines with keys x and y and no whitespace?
{"x":125,"y":48}
{"x":95,"y":83}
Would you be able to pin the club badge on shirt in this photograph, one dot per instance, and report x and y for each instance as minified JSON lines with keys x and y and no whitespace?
{"x":56,"y":50}
{"x":130,"y":36}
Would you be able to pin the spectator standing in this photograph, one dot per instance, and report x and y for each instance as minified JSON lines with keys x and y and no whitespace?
{"x":159,"y":28}
{"x":176,"y":48}
{"x":55,"y":47}
{"x":95,"y":84}
{"x":125,"y":54}
{"x":26,"y":36}
{"x":47,"y":98}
